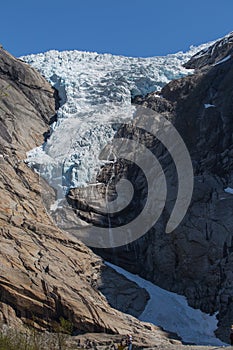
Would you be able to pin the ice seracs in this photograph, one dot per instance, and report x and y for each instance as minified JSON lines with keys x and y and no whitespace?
{"x":95,"y":91}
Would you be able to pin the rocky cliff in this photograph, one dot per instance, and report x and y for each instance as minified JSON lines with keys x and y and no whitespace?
{"x":197,"y":258}
{"x":44,"y":273}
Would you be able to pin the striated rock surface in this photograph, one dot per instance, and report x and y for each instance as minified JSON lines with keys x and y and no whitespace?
{"x":197,"y":258}
{"x":44,"y":274}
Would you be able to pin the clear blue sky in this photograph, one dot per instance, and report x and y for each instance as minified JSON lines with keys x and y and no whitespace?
{"x":125,"y":27}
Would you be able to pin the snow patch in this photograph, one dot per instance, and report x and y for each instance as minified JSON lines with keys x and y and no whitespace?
{"x":228,"y":190}
{"x":207,"y":105}
{"x":223,"y":60}
{"x":55,"y":205}
{"x":172,"y":312}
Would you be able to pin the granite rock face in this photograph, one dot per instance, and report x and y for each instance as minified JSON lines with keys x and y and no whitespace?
{"x":44,"y":273}
{"x":196,"y":259}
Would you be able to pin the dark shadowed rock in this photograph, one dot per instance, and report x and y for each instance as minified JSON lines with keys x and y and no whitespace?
{"x":121,"y":293}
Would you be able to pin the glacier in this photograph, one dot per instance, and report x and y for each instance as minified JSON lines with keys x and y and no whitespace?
{"x":95,"y":93}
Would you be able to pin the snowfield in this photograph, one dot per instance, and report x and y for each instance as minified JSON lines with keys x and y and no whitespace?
{"x":171,"y":312}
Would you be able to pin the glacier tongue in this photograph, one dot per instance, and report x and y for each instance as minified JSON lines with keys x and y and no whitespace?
{"x":95,"y":91}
